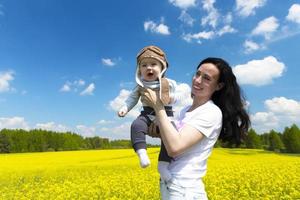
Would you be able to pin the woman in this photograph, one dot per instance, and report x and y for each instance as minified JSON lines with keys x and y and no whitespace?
{"x":217,"y":111}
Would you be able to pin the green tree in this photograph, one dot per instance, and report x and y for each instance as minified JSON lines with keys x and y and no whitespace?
{"x":121,"y":144}
{"x":105,"y":143}
{"x":253,"y":141}
{"x":265,"y":141}
{"x":275,"y":141}
{"x":4,"y":141}
{"x":291,"y":139}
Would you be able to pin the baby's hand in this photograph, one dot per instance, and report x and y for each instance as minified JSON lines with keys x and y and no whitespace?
{"x":122,"y":113}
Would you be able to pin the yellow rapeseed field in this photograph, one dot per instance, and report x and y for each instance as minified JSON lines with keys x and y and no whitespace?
{"x":115,"y":174}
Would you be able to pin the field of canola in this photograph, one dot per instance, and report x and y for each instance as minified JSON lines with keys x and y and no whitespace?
{"x":115,"y":174}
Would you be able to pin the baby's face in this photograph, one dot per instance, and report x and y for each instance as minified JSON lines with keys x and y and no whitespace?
{"x":150,"y":69}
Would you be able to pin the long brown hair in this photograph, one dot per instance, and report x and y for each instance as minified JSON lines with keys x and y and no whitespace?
{"x":230,"y":100}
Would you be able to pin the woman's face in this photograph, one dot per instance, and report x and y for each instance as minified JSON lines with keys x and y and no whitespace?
{"x":205,"y":81}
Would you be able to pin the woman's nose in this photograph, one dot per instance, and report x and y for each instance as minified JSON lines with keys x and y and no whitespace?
{"x":198,"y":79}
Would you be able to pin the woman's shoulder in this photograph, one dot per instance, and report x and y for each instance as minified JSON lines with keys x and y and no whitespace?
{"x":209,"y":110}
{"x":211,"y":105}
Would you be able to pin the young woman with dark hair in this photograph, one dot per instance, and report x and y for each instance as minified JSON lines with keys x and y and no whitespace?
{"x":217,"y":111}
{"x":231,"y":102}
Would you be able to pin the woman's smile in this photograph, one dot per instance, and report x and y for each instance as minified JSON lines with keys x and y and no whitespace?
{"x":197,"y":87}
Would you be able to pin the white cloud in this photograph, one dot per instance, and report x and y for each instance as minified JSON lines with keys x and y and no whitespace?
{"x":183,"y":4}
{"x":5,"y":79}
{"x":186,"y":18}
{"x":162,"y":29}
{"x":103,"y":122}
{"x":251,"y":46}
{"x":79,"y":82}
{"x":65,"y":88}
{"x":282,"y":106}
{"x":122,"y":131}
{"x":227,"y":18}
{"x":284,"y":33}
{"x":259,"y":72}
{"x":226,"y":29}
{"x":198,"y":36}
{"x":52,"y":126}
{"x":280,"y":113}
{"x":264,"y":122}
{"x":104,"y":129}
{"x":13,"y":123}
{"x":86,"y":131}
{"x":108,"y":62}
{"x":246,"y":8}
{"x":294,"y":13}
{"x":122,"y":128}
{"x":89,"y":90}
{"x":118,"y":102}
{"x":266,"y":27}
{"x":213,"y":14}
{"x":211,"y":19}
{"x":149,"y":25}
{"x":156,"y":28}
{"x":72,"y":86}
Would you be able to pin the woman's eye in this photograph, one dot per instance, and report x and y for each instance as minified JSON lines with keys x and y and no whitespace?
{"x":206,"y":78}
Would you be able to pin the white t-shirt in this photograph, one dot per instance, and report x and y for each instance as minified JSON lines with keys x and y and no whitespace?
{"x":192,"y":164}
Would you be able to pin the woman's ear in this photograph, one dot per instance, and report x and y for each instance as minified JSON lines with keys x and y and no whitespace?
{"x":220,"y":86}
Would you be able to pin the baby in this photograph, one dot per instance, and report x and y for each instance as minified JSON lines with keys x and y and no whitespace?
{"x":151,"y":67}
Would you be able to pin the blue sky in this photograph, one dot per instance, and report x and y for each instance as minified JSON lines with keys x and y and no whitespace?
{"x":67,"y":65}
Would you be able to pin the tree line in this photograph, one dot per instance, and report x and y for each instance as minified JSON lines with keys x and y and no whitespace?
{"x":37,"y":140}
{"x":286,"y":142}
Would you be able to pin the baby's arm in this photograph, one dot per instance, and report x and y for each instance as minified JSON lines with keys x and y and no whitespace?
{"x":130,"y":102}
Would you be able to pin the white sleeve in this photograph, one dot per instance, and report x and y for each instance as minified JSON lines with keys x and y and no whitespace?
{"x":208,"y":121}
{"x":132,"y":100}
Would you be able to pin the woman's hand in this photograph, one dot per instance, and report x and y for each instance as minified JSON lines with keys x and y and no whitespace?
{"x":151,"y":97}
{"x":176,"y":142}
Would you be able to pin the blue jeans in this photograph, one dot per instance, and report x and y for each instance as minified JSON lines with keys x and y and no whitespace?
{"x":173,"y":190}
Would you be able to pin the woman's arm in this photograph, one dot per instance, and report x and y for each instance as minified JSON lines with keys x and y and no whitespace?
{"x":176,"y":142}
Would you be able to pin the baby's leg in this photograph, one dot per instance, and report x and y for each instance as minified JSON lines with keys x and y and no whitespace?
{"x":163,"y":163}
{"x":139,"y":128}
